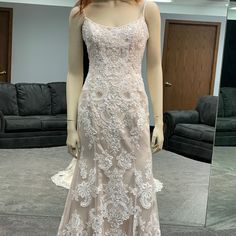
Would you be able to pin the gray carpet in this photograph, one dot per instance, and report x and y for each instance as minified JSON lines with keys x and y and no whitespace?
{"x":20,"y":225}
{"x":185,"y":188}
{"x":221,"y":212}
{"x":30,"y":204}
{"x":26,"y":187}
{"x":173,"y":230}
{"x":16,"y":225}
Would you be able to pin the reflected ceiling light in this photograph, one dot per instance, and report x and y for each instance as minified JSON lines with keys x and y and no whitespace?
{"x":232,"y":8}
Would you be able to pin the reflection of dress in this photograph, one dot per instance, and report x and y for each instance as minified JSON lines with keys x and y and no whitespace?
{"x":113,"y":189}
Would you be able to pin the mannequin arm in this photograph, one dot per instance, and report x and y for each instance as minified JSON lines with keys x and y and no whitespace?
{"x":154,"y":67}
{"x":154,"y":73}
{"x":75,"y":67}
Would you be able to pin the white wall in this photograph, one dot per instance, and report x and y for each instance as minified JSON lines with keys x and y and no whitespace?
{"x":63,"y":3}
{"x":232,"y":14}
{"x":195,"y":7}
{"x":40,"y":41}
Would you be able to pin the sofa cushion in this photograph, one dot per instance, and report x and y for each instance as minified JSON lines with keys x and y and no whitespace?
{"x":8,"y":100}
{"x":35,"y":122}
{"x":206,"y":107}
{"x":58,"y":97}
{"x":33,"y":99}
{"x":21,"y":123}
{"x":53,"y":122}
{"x":200,"y":132}
{"x":226,"y":124}
{"x":229,"y":99}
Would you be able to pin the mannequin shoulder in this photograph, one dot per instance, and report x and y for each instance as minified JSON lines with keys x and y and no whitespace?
{"x":75,"y":17}
{"x":152,"y":12}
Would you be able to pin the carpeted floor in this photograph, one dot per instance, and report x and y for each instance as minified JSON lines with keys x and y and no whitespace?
{"x":185,"y":188}
{"x":30,"y":204}
{"x":221,"y":210}
{"x":26,"y":187}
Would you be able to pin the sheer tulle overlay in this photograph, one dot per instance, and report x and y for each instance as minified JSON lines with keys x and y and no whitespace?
{"x":113,"y":191}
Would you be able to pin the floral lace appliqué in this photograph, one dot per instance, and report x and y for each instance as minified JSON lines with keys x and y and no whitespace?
{"x":114,"y":189}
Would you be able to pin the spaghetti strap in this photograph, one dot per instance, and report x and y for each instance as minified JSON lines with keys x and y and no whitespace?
{"x":144,"y":5}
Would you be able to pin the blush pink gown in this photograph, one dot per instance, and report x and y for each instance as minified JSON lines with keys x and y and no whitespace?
{"x":113,"y":191}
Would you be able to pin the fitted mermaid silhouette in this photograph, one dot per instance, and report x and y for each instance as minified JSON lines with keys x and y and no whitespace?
{"x":113,"y":191}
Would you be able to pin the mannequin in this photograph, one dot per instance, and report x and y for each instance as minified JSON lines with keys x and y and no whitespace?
{"x":154,"y":77}
{"x":113,"y":188}
{"x":111,"y":8}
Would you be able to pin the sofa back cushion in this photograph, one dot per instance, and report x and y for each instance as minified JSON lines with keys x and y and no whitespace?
{"x":8,"y":100}
{"x":229,"y":100}
{"x":33,"y":99}
{"x":220,"y":106}
{"x":58,"y":97}
{"x":206,"y":107}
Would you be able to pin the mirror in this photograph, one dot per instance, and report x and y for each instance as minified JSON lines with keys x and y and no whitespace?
{"x":192,"y":40}
{"x":32,"y":149}
{"x":221,"y":210}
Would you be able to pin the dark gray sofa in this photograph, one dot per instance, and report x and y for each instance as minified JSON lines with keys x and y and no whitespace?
{"x":191,"y":132}
{"x":32,"y":115}
{"x":226,"y":118}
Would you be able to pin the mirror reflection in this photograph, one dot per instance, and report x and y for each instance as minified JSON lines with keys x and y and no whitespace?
{"x":221,"y":210}
{"x":36,"y":168}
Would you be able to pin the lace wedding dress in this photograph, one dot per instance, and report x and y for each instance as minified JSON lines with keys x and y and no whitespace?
{"x":64,"y":177}
{"x":113,"y":191}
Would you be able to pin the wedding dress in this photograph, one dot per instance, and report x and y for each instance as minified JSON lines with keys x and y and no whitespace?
{"x":64,"y":177}
{"x":113,"y":191}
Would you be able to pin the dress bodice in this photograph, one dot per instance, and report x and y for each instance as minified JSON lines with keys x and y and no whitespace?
{"x":115,"y":52}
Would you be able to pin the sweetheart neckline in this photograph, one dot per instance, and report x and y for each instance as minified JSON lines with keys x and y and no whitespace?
{"x":118,"y":26}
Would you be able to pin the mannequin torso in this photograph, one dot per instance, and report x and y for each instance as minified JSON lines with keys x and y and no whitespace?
{"x":112,"y":13}
{"x":115,"y":14}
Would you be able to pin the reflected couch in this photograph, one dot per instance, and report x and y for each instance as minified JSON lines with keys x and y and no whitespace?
{"x":32,"y":115}
{"x":226,"y":118}
{"x":191,"y":132}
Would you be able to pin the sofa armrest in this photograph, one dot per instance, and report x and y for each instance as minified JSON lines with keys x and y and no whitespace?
{"x":171,"y":118}
{"x":2,"y":122}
